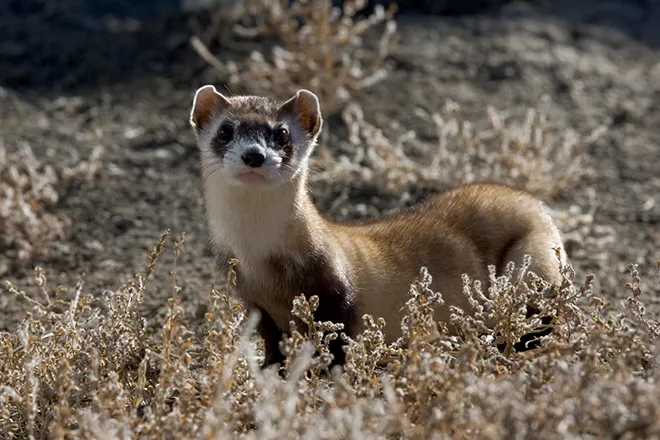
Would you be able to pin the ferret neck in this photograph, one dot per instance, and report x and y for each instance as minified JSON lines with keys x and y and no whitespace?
{"x":253,"y":222}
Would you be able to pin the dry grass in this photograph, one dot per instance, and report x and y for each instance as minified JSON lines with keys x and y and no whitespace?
{"x":29,"y":189}
{"x":531,"y":154}
{"x":310,"y":44}
{"x":89,"y":371}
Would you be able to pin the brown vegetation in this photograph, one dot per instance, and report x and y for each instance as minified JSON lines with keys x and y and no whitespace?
{"x":78,"y":370}
{"x":29,"y":189}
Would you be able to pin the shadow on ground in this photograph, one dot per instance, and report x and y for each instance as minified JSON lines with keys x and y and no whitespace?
{"x":77,"y":45}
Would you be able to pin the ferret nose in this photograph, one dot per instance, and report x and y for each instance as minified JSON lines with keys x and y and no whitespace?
{"x":253,"y":158}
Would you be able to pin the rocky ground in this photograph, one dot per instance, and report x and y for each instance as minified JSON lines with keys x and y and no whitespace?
{"x":73,"y":84}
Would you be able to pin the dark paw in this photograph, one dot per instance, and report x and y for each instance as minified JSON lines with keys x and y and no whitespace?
{"x":531,"y":341}
{"x":273,"y":358}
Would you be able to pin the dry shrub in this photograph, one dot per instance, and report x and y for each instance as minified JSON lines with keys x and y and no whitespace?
{"x":89,"y":371}
{"x":531,"y":155}
{"x":314,"y":45}
{"x":29,"y":189}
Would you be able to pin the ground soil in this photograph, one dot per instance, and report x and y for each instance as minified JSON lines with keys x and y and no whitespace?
{"x":72,"y":84}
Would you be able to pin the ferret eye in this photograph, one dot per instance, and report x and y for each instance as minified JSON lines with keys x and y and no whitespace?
{"x":226,"y":133}
{"x":282,"y":137}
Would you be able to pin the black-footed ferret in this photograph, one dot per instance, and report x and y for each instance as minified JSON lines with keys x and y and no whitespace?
{"x":255,"y":152}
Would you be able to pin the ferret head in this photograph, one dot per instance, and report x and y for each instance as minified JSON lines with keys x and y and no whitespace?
{"x":252,"y":140}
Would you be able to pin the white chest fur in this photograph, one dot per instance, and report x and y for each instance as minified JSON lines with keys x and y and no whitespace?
{"x":253,"y":222}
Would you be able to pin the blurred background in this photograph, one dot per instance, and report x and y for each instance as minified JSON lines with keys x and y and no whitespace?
{"x":560,"y":98}
{"x":71,"y":44}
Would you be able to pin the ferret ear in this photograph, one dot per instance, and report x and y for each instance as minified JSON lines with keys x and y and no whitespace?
{"x":207,"y":100}
{"x":304,"y":107}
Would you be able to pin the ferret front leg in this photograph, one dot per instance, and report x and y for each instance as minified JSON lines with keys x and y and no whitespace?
{"x":333,"y":307}
{"x":272,"y":335}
